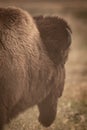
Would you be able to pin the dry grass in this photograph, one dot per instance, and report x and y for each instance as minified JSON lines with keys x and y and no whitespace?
{"x":72,"y":108}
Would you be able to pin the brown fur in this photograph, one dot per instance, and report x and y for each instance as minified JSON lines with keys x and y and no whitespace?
{"x":28,"y":75}
{"x":55,"y":34}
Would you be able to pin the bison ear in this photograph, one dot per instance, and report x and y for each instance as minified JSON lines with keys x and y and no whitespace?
{"x":55,"y":34}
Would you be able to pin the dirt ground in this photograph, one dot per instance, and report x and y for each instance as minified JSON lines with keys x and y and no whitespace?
{"x":72,"y":107}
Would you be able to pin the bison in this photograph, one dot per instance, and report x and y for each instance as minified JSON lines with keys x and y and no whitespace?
{"x":33,"y":52}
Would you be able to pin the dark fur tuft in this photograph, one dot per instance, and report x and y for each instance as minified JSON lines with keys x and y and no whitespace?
{"x":56,"y":36}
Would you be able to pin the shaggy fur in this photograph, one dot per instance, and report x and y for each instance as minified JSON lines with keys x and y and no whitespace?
{"x":28,"y":74}
{"x":55,"y":34}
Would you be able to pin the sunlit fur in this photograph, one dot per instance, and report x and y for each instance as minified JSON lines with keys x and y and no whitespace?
{"x":28,"y":74}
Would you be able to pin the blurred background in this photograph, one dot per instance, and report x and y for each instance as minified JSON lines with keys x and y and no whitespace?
{"x":72,"y":107}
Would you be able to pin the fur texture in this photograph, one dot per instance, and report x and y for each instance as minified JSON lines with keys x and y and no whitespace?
{"x":28,"y":74}
{"x":56,"y":36}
